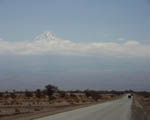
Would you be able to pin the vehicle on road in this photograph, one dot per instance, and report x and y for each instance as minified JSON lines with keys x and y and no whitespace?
{"x":129,"y":96}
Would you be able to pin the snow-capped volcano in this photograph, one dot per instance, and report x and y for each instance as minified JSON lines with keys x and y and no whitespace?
{"x":48,"y":36}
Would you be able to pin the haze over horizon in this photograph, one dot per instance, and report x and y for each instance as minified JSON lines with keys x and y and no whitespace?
{"x":75,"y":44}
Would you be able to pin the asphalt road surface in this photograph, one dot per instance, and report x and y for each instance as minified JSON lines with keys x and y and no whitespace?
{"x":114,"y":110}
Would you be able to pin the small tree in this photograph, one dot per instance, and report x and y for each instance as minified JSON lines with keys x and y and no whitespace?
{"x":1,"y":94}
{"x":88,"y":93}
{"x":50,"y":90}
{"x":28,"y":94}
{"x":13,"y":95}
{"x":38,"y":93}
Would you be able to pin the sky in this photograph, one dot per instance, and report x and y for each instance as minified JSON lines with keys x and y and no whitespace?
{"x":75,"y":44}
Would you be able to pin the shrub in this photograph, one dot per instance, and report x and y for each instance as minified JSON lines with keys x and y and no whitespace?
{"x":13,"y":95}
{"x":1,"y":94}
{"x":38,"y":93}
{"x":94,"y":94}
{"x":28,"y":94}
{"x":17,"y":110}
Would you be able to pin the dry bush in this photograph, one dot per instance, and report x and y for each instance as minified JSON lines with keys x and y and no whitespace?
{"x":36,"y":109}
{"x":6,"y":103}
{"x":17,"y":110}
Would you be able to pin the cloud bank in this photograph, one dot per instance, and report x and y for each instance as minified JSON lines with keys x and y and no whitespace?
{"x":48,"y":44}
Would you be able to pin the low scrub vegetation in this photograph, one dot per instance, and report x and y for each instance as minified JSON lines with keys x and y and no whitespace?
{"x":27,"y":101}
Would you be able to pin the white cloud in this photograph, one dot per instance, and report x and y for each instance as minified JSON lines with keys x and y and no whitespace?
{"x":48,"y":44}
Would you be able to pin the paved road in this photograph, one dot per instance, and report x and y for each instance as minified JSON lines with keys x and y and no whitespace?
{"x":114,"y":110}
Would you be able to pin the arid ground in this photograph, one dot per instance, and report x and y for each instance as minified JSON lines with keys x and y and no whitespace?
{"x":28,"y":105}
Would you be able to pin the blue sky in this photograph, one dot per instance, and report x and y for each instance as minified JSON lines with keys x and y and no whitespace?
{"x":75,"y":44}
{"x":77,"y":20}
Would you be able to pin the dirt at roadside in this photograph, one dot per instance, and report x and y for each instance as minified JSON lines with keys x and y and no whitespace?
{"x":141,"y":108}
{"x":49,"y":110}
{"x":21,"y":107}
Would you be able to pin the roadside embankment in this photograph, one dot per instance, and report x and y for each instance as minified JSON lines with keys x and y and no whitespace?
{"x":141,"y":107}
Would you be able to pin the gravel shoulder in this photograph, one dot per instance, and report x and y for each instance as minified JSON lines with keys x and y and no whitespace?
{"x":140,"y":108}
